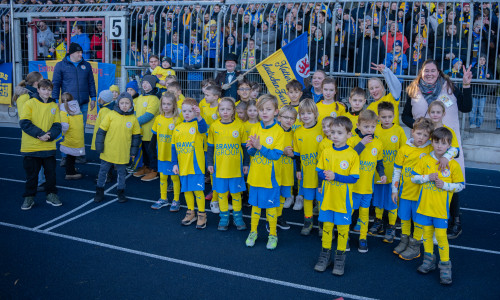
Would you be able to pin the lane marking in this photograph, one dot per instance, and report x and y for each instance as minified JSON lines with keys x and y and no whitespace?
{"x":116,"y":184}
{"x":193,"y":264}
{"x":13,"y":138}
{"x":481,"y":210}
{"x":64,"y":215}
{"x":58,"y":159}
{"x":57,"y":186}
{"x":481,"y":185}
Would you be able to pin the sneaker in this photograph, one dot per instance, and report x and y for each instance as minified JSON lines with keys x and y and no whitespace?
{"x":189,"y":219}
{"x":142,"y":171}
{"x":403,"y":244}
{"x":150,"y":176}
{"x":339,"y":263}
{"x":363,"y":246}
{"x":28,"y":203}
{"x":63,"y":162}
{"x":347,"y":247}
{"x":377,"y":227}
{"x":214,"y":207}
{"x":121,"y":196}
{"x":202,"y":220}
{"x":316,"y":208}
{"x":224,"y":221}
{"x":308,"y":225}
{"x":412,"y":251}
{"x":159,"y":204}
{"x":282,"y":224}
{"x":252,"y":237}
{"x":445,"y":272}
{"x":209,"y":196}
{"x":357,"y":228}
{"x":131,"y":169}
{"x":272,"y":242}
{"x":288,"y":202}
{"x":238,"y":221}
{"x":390,"y":233}
{"x":429,"y":263}
{"x":299,"y":203}
{"x":53,"y":199}
{"x":472,"y":126}
{"x":176,"y":206}
{"x":81,"y":160}
{"x":73,"y":177}
{"x":324,"y":260}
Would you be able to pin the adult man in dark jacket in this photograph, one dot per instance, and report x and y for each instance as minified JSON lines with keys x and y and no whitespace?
{"x":229,"y":75}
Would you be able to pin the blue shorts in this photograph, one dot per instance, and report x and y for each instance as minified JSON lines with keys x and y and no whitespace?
{"x":264,"y":197}
{"x":191,"y":183}
{"x":165,"y":167}
{"x":336,"y":217}
{"x":362,"y":200}
{"x":382,"y":197}
{"x":430,"y":221}
{"x":286,"y":191}
{"x":232,"y":185}
{"x":309,"y":194}
{"x":407,"y":209}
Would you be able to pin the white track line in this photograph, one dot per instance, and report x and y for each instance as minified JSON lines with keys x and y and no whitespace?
{"x":480,"y":210}
{"x":194,"y":265}
{"x":19,"y":155}
{"x":64,"y":215}
{"x":13,"y":138}
{"x":57,"y":186}
{"x":486,"y":186}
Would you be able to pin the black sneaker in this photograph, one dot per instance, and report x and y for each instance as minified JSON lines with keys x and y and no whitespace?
{"x":282,"y":224}
{"x":28,"y":203}
{"x":81,"y":160}
{"x":377,"y":227}
{"x":63,"y":162}
{"x":308,"y":225}
{"x":363,"y":246}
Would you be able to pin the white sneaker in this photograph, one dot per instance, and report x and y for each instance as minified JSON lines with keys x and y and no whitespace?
{"x":229,"y":206}
{"x":472,"y":126}
{"x":214,"y":207}
{"x":299,"y":203}
{"x":288,"y":202}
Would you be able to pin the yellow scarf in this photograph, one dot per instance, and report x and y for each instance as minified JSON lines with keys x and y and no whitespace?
{"x":248,"y":59}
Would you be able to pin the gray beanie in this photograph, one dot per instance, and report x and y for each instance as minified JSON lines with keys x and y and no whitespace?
{"x":151,"y":79}
{"x":106,"y":96}
{"x":126,"y":95}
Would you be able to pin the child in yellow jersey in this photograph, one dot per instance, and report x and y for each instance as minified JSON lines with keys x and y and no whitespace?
{"x":370,"y":151}
{"x":117,"y":140}
{"x":241,"y":110}
{"x":306,"y":140}
{"x":73,"y":144}
{"x":406,"y":191}
{"x":115,"y":90}
{"x":147,"y":107}
{"x":392,"y":137}
{"x":244,"y":91}
{"x":162,"y":71}
{"x":256,"y":90}
{"x":204,"y":84}
{"x":265,"y":146}
{"x":161,"y":142}
{"x":357,"y":100}
{"x":436,"y":189}
{"x":294,"y":92}
{"x":175,"y":88}
{"x":378,"y":93}
{"x":338,"y":168}
{"x":286,"y":164}
{"x":252,"y":115}
{"x":189,"y":161}
{"x":40,"y":123}
{"x":227,"y":161}
{"x":328,"y":104}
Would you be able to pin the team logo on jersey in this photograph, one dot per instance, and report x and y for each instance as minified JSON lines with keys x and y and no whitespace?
{"x":128,"y":124}
{"x":374,"y":151}
{"x":319,"y":138}
{"x":214,"y":116}
{"x":171,"y":126}
{"x":83,"y":67}
{"x":333,"y":114}
{"x":145,"y":104}
{"x":236,"y":133}
{"x":344,"y":165}
{"x":446,"y":173}
{"x":53,"y":111}
{"x":269,"y":140}
{"x":394,"y":138}
{"x":422,"y":155}
{"x":192,"y":130}
{"x":302,"y":66}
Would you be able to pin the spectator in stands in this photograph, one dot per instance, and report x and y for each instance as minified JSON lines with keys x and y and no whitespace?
{"x":451,"y":18}
{"x":438,"y":16}
{"x":479,"y":41}
{"x":392,"y":36}
{"x":45,"y":39}
{"x":322,"y":22}
{"x":246,"y":30}
{"x":151,"y":34}
{"x":479,"y":71}
{"x":286,"y":31}
{"x":358,"y":13}
{"x":451,"y":47}
{"x":229,"y":75}
{"x":456,"y":71}
{"x":250,"y":56}
{"x":145,"y":55}
{"x":315,"y":90}
{"x":465,"y":18}
{"x":154,"y":61}
{"x":423,"y":29}
{"x":212,"y":44}
{"x":419,"y":52}
{"x":376,"y":16}
{"x":96,"y":42}
{"x":194,"y":62}
{"x":83,"y":40}
{"x":319,"y":50}
{"x":57,"y":50}
{"x":230,"y":47}
{"x":178,"y":52}
{"x":396,"y":60}
{"x":343,"y":43}
{"x":133,"y":56}
{"x":265,"y":39}
{"x":369,"y":51}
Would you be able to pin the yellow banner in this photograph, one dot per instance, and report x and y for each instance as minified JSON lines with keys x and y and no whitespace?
{"x":5,"y":83}
{"x":276,"y":73}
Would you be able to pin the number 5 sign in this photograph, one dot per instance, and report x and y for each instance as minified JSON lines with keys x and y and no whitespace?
{"x":117,"y":28}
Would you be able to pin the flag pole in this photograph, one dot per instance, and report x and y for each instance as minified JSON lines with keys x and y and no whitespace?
{"x":244,"y":74}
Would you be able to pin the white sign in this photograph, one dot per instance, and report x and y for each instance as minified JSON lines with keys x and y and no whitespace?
{"x":117,"y":28}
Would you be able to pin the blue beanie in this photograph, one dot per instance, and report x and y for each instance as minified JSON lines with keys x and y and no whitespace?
{"x":133,"y":85}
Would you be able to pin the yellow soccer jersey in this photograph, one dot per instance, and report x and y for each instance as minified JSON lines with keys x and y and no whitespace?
{"x":263,"y":169}
{"x":202,"y":104}
{"x":210,"y":114}
{"x":188,"y":143}
{"x":147,"y":104}
{"x":392,"y":139}
{"x":433,"y":201}
{"x":298,"y":123}
{"x":325,"y":143}
{"x":368,"y":158}
{"x":20,"y":103}
{"x":119,"y":130}
{"x":163,"y":73}
{"x":343,"y":161}
{"x":407,"y":158}
{"x":454,"y":141}
{"x":42,"y":115}
{"x":335,"y":109}
{"x":248,"y":125}
{"x":74,"y":137}
{"x":163,"y":128}
{"x":228,"y":141}
{"x":180,"y":100}
{"x":305,"y":143}
{"x":388,"y":98}
{"x":103,"y":111}
{"x":285,"y":163}
{"x":354,"y":120}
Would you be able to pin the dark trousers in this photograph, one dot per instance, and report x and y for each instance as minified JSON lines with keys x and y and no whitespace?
{"x":149,"y":158}
{"x":32,"y":166}
{"x":455,"y":206}
{"x":70,"y":165}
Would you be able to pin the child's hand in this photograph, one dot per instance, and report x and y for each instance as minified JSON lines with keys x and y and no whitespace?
{"x":443,"y":164}
{"x":379,"y":68}
{"x":320,"y":190}
{"x":245,"y":170}
{"x":299,"y":176}
{"x":433,"y":176}
{"x":210,"y":169}
{"x":367,"y":139}
{"x":394,"y":197}
{"x":163,"y":82}
{"x":196,"y":111}
{"x":175,"y":169}
{"x":439,"y":183}
{"x":226,"y":86}
{"x":255,"y":139}
{"x":44,"y":137}
{"x":288,"y":151}
{"x":383,"y":179}
{"x":329,"y":175}
{"x":249,"y":144}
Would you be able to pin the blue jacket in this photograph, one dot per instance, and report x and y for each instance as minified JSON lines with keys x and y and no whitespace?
{"x":78,"y":81}
{"x":84,"y":41}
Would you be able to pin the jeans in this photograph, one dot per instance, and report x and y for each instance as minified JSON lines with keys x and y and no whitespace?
{"x":103,"y":171}
{"x":476,"y":116}
{"x":84,"y":108}
{"x":498,"y":113}
{"x":32,"y":166}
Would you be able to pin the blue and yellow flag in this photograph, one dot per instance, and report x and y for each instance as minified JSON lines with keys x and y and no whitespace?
{"x":326,"y":9}
{"x":5,"y":83}
{"x":290,"y":62}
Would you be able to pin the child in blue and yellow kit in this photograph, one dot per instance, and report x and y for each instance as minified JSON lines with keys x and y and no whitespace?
{"x":436,"y":190}
{"x":357,"y":100}
{"x":188,"y":158}
{"x":161,"y":72}
{"x":163,"y":128}
{"x":338,"y":168}
{"x":393,"y":138}
{"x":265,"y":146}
{"x":227,"y":161}
{"x":305,"y":145}
{"x":328,"y":104}
{"x":370,"y":151}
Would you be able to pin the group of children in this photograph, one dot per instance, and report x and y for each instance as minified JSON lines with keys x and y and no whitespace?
{"x":340,"y":159}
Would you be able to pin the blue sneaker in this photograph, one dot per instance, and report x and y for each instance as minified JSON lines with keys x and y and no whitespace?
{"x":224,"y":221}
{"x":159,"y":204}
{"x":363,"y":246}
{"x":238,"y":220}
{"x":357,"y":228}
{"x":176,"y":206}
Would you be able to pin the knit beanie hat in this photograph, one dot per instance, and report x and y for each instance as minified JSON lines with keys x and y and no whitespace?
{"x":126,"y":95}
{"x":114,"y":88}
{"x":133,"y":85}
{"x":151,"y":79}
{"x":74,"y":47}
{"x":106,"y":96}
